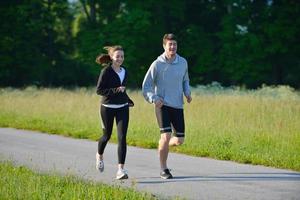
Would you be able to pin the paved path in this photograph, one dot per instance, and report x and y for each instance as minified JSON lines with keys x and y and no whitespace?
{"x":195,"y":178}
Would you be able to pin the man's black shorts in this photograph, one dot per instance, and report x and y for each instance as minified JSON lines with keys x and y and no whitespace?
{"x":169,"y":119}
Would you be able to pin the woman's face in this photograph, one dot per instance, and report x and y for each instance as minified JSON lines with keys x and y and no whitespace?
{"x":117,"y":58}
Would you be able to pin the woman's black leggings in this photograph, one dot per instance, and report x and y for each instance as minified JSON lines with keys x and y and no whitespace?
{"x":122,"y":119}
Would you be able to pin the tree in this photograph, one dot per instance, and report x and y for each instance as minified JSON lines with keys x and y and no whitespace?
{"x":258,"y":40}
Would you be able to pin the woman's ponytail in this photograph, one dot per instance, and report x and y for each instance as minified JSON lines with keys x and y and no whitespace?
{"x":103,"y":59}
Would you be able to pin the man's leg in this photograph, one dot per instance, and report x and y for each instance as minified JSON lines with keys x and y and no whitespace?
{"x":163,"y":149}
{"x":177,"y":121}
{"x":175,"y":141}
{"x":163,"y":121}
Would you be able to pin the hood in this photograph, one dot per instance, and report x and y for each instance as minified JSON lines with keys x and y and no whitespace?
{"x":162,"y":58}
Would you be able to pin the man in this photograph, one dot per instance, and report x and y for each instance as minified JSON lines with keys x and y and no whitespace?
{"x":164,"y":85}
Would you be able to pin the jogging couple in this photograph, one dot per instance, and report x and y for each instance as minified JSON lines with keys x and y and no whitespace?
{"x":164,"y":85}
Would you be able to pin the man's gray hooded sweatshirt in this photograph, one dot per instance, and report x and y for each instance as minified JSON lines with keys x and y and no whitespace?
{"x":168,"y":81}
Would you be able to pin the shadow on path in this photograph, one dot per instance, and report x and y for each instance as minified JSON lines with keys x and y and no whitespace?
{"x":225,"y":177}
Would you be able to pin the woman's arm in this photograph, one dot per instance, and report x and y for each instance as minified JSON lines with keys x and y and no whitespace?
{"x":102,"y":85}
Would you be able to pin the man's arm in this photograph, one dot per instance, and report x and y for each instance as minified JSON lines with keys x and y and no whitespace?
{"x":148,"y":85}
{"x":186,"y":86}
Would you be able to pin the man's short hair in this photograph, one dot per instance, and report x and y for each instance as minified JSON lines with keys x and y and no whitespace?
{"x":169,"y":36}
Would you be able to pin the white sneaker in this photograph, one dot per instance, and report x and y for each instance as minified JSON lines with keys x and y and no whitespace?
{"x":121,"y":174}
{"x":99,"y":163}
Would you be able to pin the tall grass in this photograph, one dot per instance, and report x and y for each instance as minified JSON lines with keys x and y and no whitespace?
{"x":249,"y":126}
{"x":22,"y":183}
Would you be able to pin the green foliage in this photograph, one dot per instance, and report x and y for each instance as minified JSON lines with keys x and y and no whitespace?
{"x":55,"y":43}
{"x":253,"y":126}
{"x":256,"y":39}
{"x":18,"y":182}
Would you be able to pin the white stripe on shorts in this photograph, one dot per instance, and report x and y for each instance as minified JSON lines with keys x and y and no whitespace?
{"x":166,"y":128}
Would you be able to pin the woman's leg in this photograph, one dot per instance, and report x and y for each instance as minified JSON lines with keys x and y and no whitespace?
{"x":122,"y":119}
{"x":107,"y":117}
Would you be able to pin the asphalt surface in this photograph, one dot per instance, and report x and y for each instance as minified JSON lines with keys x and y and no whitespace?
{"x":194,"y":178}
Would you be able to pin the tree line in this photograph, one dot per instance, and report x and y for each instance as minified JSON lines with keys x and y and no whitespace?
{"x":235,"y":42}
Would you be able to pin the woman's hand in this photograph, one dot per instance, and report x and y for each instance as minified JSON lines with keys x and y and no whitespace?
{"x":130,"y":103}
{"x":121,"y":89}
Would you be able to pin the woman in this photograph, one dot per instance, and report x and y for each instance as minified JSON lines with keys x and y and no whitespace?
{"x":114,"y":105}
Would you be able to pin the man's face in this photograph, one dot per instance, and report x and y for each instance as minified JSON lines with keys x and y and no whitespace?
{"x":170,"y":48}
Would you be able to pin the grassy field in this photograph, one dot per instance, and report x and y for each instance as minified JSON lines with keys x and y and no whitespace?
{"x":249,"y":126}
{"x":22,"y":183}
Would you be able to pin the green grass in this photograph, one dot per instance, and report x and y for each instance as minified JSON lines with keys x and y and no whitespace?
{"x":22,"y":183}
{"x":249,"y":126}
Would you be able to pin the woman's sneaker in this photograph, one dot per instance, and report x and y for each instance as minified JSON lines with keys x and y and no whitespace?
{"x":99,"y":163}
{"x":165,"y":174}
{"x":121,"y":174}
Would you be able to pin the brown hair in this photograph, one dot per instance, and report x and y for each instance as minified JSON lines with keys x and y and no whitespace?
{"x":105,"y":58}
{"x":169,"y":36}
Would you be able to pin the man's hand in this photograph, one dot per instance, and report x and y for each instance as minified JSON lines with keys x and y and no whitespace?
{"x":189,"y":99}
{"x":159,"y":103}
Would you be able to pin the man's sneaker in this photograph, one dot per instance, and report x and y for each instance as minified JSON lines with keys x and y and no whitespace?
{"x":165,"y":174}
{"x":99,"y":163}
{"x":121,"y":174}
